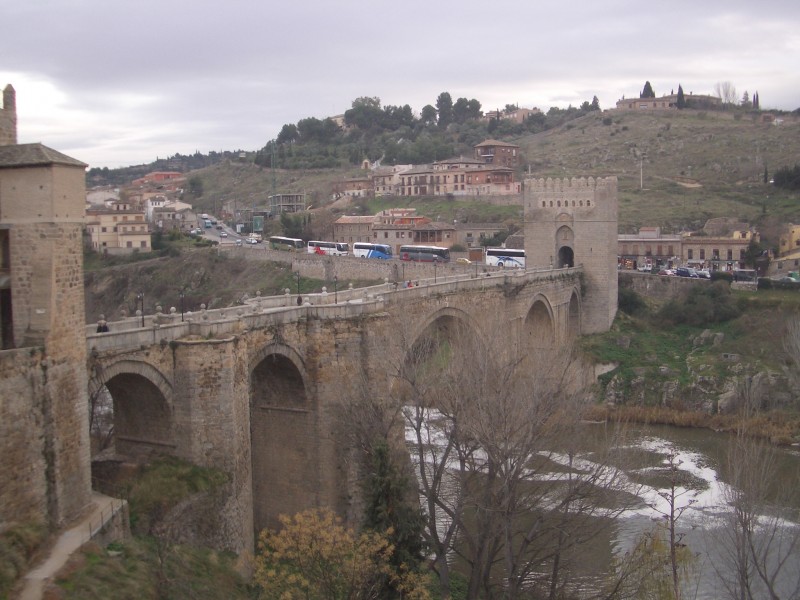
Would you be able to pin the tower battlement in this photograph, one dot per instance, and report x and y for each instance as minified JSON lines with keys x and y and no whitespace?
{"x":575,"y":193}
{"x":8,"y":117}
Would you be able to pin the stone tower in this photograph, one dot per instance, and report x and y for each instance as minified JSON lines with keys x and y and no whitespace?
{"x":8,"y":117}
{"x":573,"y":222}
{"x":44,"y":438}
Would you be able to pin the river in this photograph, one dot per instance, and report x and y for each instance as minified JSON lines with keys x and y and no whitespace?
{"x":704,"y":477}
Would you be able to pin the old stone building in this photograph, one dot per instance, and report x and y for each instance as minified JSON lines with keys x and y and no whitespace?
{"x":44,"y":437}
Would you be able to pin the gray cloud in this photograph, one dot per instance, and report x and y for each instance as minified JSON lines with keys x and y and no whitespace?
{"x":117,"y":85}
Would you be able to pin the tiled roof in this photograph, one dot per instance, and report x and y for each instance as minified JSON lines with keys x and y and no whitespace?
{"x":494,"y":143}
{"x":354,"y":219}
{"x":34,"y":155}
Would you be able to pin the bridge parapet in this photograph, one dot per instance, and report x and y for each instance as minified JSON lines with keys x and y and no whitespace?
{"x":261,"y":312}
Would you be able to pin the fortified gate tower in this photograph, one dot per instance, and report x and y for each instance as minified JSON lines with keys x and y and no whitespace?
{"x":573,"y":222}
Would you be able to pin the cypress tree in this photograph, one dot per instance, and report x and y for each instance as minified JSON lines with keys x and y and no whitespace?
{"x":647,"y":92}
{"x":389,"y":505}
{"x":681,"y":98}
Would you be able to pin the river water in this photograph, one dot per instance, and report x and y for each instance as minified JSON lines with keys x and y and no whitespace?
{"x":701,"y":457}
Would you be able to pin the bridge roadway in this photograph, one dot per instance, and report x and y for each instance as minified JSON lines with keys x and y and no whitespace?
{"x":257,"y":390}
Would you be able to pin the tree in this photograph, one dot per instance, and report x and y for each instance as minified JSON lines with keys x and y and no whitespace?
{"x":288,"y":134}
{"x":746,"y":100}
{"x":595,"y":103}
{"x":428,"y":115}
{"x":487,"y":428}
{"x":647,"y":92}
{"x":756,"y":101}
{"x":314,"y":556}
{"x":681,"y":102}
{"x":444,"y":107}
{"x":759,"y":548}
{"x":726,"y":92}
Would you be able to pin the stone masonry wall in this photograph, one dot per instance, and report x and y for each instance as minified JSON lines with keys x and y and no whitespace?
{"x":8,"y":117}
{"x":580,"y":214}
{"x":24,"y":488}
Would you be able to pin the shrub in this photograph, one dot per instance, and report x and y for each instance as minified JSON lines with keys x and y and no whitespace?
{"x":721,"y":276}
{"x":607,"y":121}
{"x":701,"y":306}
{"x":629,"y":301}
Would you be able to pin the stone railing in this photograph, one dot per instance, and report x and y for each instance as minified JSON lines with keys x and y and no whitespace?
{"x":262,"y":311}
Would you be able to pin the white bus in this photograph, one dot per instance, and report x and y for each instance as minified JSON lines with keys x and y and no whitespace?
{"x":366,"y":250}
{"x":277,"y":242}
{"x":505,"y":257}
{"x":329,"y":248}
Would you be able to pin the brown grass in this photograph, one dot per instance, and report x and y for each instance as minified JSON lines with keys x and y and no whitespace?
{"x":778,"y":427}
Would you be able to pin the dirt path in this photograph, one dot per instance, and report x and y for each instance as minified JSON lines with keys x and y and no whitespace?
{"x":69,"y":541}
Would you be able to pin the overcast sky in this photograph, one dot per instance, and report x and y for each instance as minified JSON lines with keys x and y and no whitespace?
{"x":118,"y":83}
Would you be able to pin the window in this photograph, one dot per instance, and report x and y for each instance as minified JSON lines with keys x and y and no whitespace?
{"x":144,"y":244}
{"x":702,"y":254}
{"x":103,"y":229}
{"x":730,"y":254}
{"x":129,"y":244}
{"x":689,"y":254}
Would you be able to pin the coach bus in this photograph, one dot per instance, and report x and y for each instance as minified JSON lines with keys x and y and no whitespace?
{"x":366,"y":250}
{"x":425,"y":253}
{"x":329,"y":248}
{"x":505,"y":257}
{"x":277,"y":242}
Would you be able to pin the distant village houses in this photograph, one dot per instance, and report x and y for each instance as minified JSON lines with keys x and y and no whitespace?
{"x":117,"y":228}
{"x":399,"y":226}
{"x":720,"y":246}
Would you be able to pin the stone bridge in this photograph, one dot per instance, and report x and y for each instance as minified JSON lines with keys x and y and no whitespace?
{"x":254,"y":390}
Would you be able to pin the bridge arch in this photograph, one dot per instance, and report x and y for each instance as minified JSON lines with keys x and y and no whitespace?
{"x":142,"y":400}
{"x":539,"y":328}
{"x":565,"y":247}
{"x":283,"y":435}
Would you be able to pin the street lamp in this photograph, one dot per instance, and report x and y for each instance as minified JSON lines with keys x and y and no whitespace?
{"x":335,"y":290}
{"x":434,"y":271}
{"x":140,"y":298}
{"x":298,"y":283}
{"x":181,"y":296}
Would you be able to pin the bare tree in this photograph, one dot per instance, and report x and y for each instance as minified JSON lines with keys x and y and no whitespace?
{"x":505,"y":481}
{"x":726,"y":92}
{"x":760,"y":538}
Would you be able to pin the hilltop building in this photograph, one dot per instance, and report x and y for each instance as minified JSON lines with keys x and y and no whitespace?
{"x":668,"y":102}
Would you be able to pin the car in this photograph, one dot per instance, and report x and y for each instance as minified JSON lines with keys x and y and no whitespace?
{"x":704,"y":274}
{"x":252,"y":241}
{"x":463,"y":261}
{"x":786,"y":279}
{"x":238,"y":242}
{"x":686,"y":272}
{"x":646,"y":268}
{"x":667,"y":272}
{"x":223,"y":234}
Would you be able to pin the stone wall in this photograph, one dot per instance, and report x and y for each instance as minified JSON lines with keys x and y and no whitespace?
{"x":23,"y":446}
{"x":8,"y":117}
{"x":577,"y":217}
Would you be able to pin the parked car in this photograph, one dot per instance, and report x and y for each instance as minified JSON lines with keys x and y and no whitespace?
{"x":463,"y":261}
{"x":704,"y":274}
{"x":238,"y":242}
{"x":686,"y":272}
{"x":223,"y":234}
{"x":667,"y":272}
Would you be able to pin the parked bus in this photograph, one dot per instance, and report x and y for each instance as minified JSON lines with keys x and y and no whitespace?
{"x":505,"y":257}
{"x":365,"y":250}
{"x":425,"y":253}
{"x":277,"y":242}
{"x":329,"y":248}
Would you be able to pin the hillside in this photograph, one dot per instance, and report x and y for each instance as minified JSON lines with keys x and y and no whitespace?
{"x":675,"y":169}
